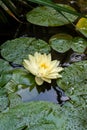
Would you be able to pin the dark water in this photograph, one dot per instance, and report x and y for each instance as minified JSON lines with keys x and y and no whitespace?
{"x":33,"y":95}
{"x":55,"y":95}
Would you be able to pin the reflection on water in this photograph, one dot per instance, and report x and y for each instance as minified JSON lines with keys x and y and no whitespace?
{"x":33,"y":95}
{"x":55,"y":95}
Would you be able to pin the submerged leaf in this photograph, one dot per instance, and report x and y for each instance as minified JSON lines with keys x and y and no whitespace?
{"x":11,"y":86}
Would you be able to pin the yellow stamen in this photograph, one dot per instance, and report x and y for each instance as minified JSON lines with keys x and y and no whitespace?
{"x":44,"y":66}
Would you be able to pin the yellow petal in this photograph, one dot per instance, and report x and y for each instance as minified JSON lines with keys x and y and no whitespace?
{"x":39,"y":81}
{"x":46,"y":79}
{"x":31,"y":67}
{"x":42,"y":67}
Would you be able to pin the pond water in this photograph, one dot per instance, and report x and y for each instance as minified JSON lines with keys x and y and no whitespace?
{"x":33,"y":95}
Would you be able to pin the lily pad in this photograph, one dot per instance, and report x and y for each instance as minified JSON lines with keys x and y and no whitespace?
{"x":20,"y":82}
{"x":19,"y":77}
{"x":81,"y":26}
{"x":3,"y":103}
{"x":8,"y":100}
{"x":5,"y":78}
{"x":63,"y":42}
{"x":79,"y":44}
{"x":43,"y":116}
{"x":3,"y":100}
{"x":21,"y":47}
{"x":4,"y":66}
{"x":74,"y":79}
{"x":22,"y":77}
{"x":14,"y":100}
{"x":47,"y":16}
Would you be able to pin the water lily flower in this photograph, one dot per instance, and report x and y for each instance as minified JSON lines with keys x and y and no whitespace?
{"x":42,"y":67}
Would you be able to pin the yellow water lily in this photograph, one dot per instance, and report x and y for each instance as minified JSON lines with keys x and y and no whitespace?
{"x":42,"y":67}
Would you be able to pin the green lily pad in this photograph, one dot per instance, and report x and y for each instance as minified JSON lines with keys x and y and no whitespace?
{"x":22,"y":77}
{"x":74,"y":79}
{"x":8,"y":100}
{"x":14,"y":100}
{"x":19,"y":77}
{"x":21,"y":47}
{"x":63,"y":42}
{"x":5,"y":78}
{"x":76,"y":116}
{"x":3,"y":103}
{"x":4,"y":66}
{"x":47,"y":16}
{"x":3,"y":100}
{"x":20,"y":82}
{"x":44,"y":116}
{"x":79,"y":44}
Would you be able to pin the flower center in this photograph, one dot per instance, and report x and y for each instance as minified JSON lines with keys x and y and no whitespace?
{"x":44,"y":66}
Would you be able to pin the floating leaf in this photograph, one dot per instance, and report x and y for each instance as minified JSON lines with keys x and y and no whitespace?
{"x":81,"y":26}
{"x":5,"y":78}
{"x":22,"y":77}
{"x":76,"y":116}
{"x":19,"y":80}
{"x":14,"y":100}
{"x":79,"y":44}
{"x":3,"y":100}
{"x":21,"y":47}
{"x":4,"y":66}
{"x":47,"y":16}
{"x":8,"y":100}
{"x":3,"y":103}
{"x":19,"y":77}
{"x":44,"y":116}
{"x":63,"y":42}
{"x":74,"y":79}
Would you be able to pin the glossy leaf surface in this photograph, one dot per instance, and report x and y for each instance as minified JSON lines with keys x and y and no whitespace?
{"x":74,"y":79}
{"x":47,"y":16}
{"x":44,"y":116}
{"x":63,"y":42}
{"x":20,"y":48}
